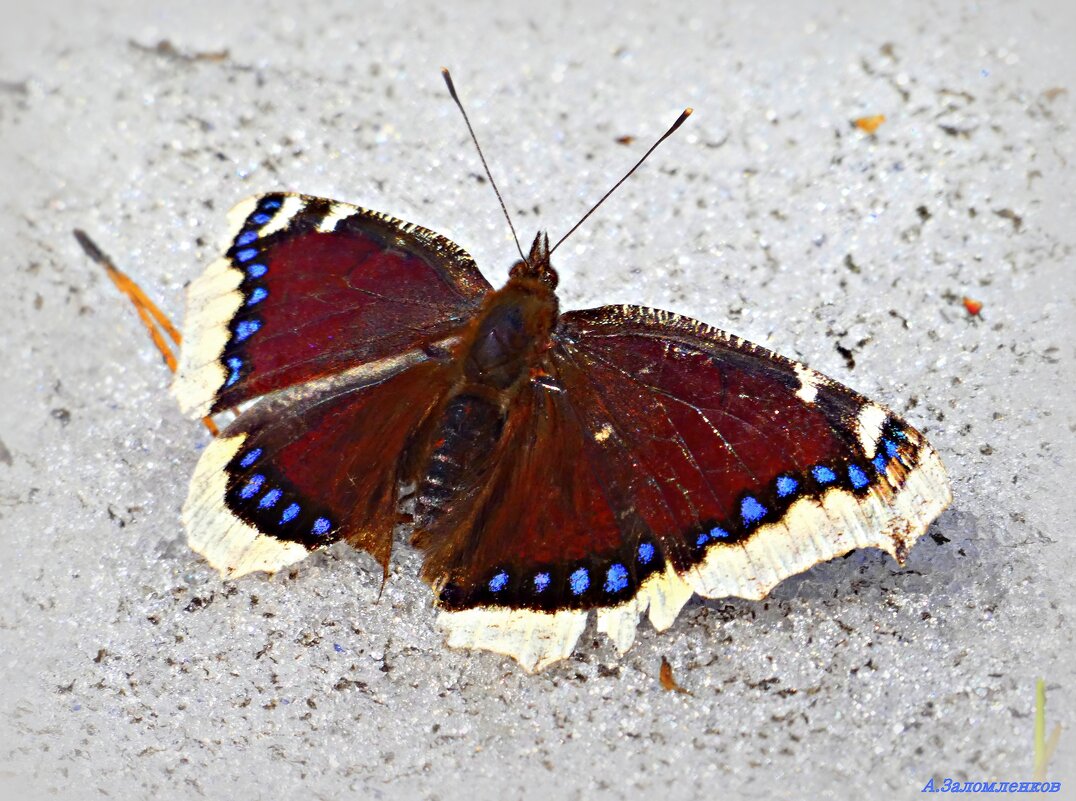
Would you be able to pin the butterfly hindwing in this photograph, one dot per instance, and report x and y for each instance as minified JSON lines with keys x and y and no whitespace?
{"x":310,"y":465}
{"x":309,"y":287}
{"x":663,"y":458}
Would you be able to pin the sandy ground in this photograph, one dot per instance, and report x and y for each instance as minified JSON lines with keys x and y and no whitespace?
{"x":131,"y":671}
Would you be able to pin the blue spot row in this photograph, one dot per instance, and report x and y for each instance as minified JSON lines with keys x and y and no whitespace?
{"x":260,"y":219}
{"x":246,"y":238}
{"x":257,"y":270}
{"x":616,"y":579}
{"x":259,"y":294}
{"x":254,"y":485}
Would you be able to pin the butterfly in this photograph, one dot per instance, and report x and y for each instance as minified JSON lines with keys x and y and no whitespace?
{"x":550,"y":464}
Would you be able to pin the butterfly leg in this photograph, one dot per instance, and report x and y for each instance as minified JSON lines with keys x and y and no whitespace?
{"x":156,"y":322}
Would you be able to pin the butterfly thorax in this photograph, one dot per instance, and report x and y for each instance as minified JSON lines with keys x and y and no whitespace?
{"x":510,"y":335}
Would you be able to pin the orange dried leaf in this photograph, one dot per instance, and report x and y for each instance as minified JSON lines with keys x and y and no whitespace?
{"x":668,"y":682}
{"x":869,"y":124}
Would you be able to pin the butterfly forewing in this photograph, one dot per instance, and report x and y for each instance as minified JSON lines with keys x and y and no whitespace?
{"x":770,"y":466}
{"x":309,"y":287}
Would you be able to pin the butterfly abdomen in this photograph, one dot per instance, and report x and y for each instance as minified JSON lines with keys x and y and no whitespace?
{"x":465,"y":436}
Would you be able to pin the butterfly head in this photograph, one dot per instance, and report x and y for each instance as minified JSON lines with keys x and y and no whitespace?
{"x":537,"y":263}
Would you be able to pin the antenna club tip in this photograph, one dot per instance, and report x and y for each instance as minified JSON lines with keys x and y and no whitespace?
{"x":444,"y":70}
{"x":89,"y":247}
{"x":688,"y":111}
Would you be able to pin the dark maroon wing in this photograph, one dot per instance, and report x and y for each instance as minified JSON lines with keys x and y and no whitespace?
{"x":309,"y":287}
{"x":310,"y":465}
{"x":718,"y":467}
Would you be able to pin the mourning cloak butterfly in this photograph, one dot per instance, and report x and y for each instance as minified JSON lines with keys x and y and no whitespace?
{"x":614,"y":460}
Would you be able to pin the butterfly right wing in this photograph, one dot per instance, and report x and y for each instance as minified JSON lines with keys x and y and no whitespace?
{"x":657,"y":458}
{"x":309,"y":287}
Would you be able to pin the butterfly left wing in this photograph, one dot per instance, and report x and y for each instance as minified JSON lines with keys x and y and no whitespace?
{"x":310,"y":465}
{"x":308,"y":287}
{"x":663,"y":458}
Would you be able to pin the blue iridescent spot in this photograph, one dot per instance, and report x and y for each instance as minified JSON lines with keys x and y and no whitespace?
{"x":646,"y":553}
{"x":579,"y":581}
{"x":252,"y":487}
{"x":251,"y":458}
{"x":498,"y":582}
{"x":260,"y":219}
{"x":269,"y":205}
{"x":321,"y":527}
{"x":257,"y":270}
{"x":701,"y":539}
{"x":290,"y":513}
{"x":235,"y":364}
{"x":246,"y":328}
{"x":541,"y":581}
{"x":616,"y":579}
{"x":891,"y":449}
{"x":269,"y":499}
{"x":786,"y":485}
{"x":879,"y":463}
{"x":899,"y":434}
{"x":823,"y":475}
{"x":718,"y":533}
{"x":246,"y":238}
{"x":751,"y":510}
{"x":246,"y":254}
{"x":857,"y":476}
{"x":259,"y":294}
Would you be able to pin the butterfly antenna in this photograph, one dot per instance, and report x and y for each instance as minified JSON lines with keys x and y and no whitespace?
{"x":156,"y":322}
{"x":452,"y":91}
{"x":679,"y":121}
